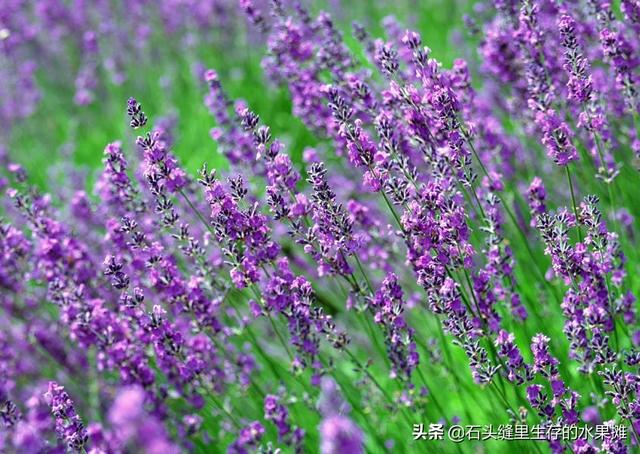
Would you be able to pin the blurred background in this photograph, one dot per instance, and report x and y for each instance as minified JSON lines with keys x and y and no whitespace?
{"x":67,"y":68}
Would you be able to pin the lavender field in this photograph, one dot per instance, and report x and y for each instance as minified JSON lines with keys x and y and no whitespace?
{"x":295,"y":226}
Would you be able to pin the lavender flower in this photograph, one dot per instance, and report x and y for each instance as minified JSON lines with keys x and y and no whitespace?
{"x":159,"y":299}
{"x":516,"y":369}
{"x":277,"y":413}
{"x":388,"y":305}
{"x":536,"y":195}
{"x":338,"y":433}
{"x":340,"y":436}
{"x":334,"y":227}
{"x":134,"y":427}
{"x":619,"y":54}
{"x":115,"y":186}
{"x":543,"y":362}
{"x":556,"y":138}
{"x":623,"y":392}
{"x":248,"y":438}
{"x":580,"y":84}
{"x":69,"y":426}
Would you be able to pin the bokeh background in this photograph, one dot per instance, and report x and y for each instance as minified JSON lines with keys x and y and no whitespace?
{"x":89,"y":57}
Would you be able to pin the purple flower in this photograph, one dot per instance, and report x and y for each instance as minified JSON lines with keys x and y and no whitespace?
{"x":536,"y":195}
{"x":618,"y":52}
{"x":517,"y":370}
{"x":69,"y":426}
{"x":137,"y":116}
{"x":591,"y":415}
{"x":114,"y":185}
{"x":339,"y":435}
{"x":388,"y":305}
{"x":133,"y":426}
{"x":580,"y":84}
{"x":631,"y":10}
{"x":277,"y":413}
{"x":556,"y":138}
{"x":36,"y":426}
{"x":248,"y":438}
{"x":161,"y":167}
{"x":543,"y":362}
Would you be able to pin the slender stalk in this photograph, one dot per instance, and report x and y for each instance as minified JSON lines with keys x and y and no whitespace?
{"x":197,"y":212}
{"x":373,"y":379}
{"x":514,"y":221}
{"x":573,"y":202}
{"x":229,"y":415}
{"x":94,"y":386}
{"x":344,"y":384}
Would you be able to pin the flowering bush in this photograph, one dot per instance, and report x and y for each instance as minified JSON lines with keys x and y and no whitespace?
{"x":456,"y":250}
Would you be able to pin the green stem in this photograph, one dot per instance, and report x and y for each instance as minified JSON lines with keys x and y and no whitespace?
{"x":366,"y":278}
{"x":393,"y":211}
{"x":197,"y":212}
{"x":573,"y":202}
{"x":377,"y":384}
{"x":221,"y":406}
{"x":514,"y":221}
{"x":94,"y":387}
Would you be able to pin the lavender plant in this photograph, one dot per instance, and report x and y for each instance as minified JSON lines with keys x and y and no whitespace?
{"x":448,"y":264}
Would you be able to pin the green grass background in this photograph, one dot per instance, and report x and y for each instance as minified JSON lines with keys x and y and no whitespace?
{"x":36,"y":142}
